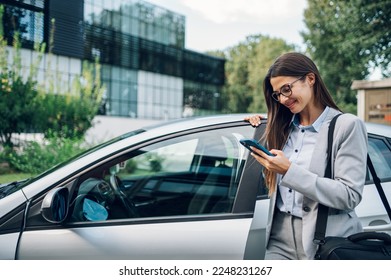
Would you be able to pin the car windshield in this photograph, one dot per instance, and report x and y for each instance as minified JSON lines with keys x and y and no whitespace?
{"x":6,"y":189}
{"x":9,"y":188}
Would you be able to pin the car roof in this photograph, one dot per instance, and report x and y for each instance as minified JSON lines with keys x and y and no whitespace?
{"x":167,"y":127}
{"x":379,"y":129}
{"x":175,"y":125}
{"x":199,"y":121}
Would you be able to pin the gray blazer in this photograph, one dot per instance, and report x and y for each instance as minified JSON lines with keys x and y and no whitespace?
{"x":342,"y":194}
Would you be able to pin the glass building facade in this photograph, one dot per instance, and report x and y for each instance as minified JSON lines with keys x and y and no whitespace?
{"x":147,"y":71}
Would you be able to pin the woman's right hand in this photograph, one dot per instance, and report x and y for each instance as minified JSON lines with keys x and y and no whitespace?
{"x":254,"y":120}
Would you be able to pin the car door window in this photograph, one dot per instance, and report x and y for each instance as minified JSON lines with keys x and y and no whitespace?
{"x":380,"y":154}
{"x":193,"y":174}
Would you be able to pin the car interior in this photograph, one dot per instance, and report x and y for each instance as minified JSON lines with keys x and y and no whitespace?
{"x":190,"y":176}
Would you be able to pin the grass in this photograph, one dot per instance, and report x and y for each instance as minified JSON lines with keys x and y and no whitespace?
{"x":7,"y":178}
{"x":8,"y":174}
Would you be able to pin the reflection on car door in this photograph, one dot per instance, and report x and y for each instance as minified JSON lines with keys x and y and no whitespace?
{"x":256,"y":241}
{"x":183,"y":197}
{"x":371,"y":211}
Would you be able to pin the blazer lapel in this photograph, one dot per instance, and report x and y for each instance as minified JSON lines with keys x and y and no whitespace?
{"x":318,"y":159}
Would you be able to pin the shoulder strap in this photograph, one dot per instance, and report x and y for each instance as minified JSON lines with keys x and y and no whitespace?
{"x":321,"y":222}
{"x":330,"y":138}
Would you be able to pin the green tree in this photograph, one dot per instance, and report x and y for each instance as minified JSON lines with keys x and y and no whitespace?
{"x":237,"y":89}
{"x":346,"y":39}
{"x":372,"y":29}
{"x":267,"y":50}
{"x":19,"y":109}
{"x":247,"y":65}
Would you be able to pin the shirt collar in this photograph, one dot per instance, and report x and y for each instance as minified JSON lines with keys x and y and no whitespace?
{"x":316,"y":125}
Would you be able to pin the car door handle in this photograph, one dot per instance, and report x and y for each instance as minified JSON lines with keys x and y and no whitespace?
{"x":385,"y":227}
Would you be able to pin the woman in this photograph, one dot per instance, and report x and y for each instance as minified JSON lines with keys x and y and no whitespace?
{"x":300,"y":109}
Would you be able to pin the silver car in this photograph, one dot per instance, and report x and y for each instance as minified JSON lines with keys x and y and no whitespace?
{"x":180,"y":190}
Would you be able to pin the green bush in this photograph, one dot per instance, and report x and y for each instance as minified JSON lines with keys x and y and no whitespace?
{"x":36,"y":157}
{"x":70,"y":113}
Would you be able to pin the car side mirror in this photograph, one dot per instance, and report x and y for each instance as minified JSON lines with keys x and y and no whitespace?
{"x":55,"y":205}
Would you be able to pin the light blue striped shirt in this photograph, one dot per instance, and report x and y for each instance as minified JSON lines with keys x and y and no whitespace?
{"x":298,"y":149}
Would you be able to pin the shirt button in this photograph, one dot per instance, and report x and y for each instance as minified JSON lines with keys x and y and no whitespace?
{"x":290,"y":190}
{"x":306,"y":209}
{"x":302,"y":130}
{"x":296,"y":150}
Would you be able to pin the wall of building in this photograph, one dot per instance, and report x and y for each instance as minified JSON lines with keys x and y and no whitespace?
{"x":59,"y":70}
{"x":374,"y":100}
{"x":159,"y":96}
{"x":146,"y":69}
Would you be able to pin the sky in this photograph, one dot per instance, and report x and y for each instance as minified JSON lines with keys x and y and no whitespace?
{"x":220,"y":24}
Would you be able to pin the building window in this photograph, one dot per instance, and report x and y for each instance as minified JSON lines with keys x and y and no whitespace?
{"x":27,"y":20}
{"x":121,"y":91}
{"x":201,"y":99}
{"x":139,"y":19}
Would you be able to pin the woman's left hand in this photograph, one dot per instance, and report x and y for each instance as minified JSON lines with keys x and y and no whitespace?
{"x":254,"y":120}
{"x":278,"y":163}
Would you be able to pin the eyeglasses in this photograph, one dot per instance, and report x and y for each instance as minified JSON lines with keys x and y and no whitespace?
{"x":285,"y":90}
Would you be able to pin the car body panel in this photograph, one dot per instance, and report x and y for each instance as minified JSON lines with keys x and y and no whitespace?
{"x":9,"y":244}
{"x":257,"y":234}
{"x":164,"y":240}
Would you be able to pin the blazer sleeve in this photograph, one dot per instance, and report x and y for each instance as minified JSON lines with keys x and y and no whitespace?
{"x":349,"y":155}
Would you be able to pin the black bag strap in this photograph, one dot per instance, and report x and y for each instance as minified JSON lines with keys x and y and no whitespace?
{"x":321,"y":222}
{"x":320,"y":228}
{"x":379,"y":188}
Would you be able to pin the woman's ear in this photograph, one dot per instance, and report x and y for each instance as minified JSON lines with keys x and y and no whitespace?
{"x":311,"y":79}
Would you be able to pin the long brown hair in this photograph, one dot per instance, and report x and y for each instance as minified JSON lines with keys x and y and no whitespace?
{"x":279,"y":117}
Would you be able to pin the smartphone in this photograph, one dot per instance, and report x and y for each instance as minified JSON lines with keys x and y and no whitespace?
{"x":253,"y":143}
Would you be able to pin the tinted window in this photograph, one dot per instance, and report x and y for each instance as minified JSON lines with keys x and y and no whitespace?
{"x":186,"y":175}
{"x":380,"y":155}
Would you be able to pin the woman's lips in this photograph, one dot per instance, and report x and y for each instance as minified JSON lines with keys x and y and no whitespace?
{"x":290,"y":104}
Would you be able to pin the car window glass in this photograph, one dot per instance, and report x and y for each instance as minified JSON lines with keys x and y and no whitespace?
{"x":193,"y":174}
{"x":176,"y":157}
{"x":381,"y":157}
